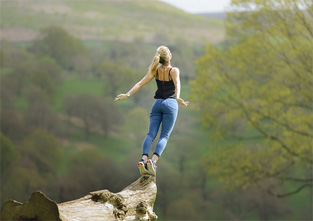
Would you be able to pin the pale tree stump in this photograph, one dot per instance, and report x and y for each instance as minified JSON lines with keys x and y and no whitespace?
{"x":135,"y":202}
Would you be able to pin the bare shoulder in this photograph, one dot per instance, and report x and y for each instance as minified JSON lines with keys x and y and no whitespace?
{"x":175,"y":71}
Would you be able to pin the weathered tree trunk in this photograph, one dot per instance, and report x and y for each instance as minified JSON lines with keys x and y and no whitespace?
{"x":135,"y":202}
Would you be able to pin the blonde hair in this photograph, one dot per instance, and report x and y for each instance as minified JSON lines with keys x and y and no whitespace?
{"x":162,"y":55}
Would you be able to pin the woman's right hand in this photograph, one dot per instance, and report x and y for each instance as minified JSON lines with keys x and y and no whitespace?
{"x":181,"y":101}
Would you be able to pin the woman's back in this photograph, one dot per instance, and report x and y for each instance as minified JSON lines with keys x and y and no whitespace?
{"x":166,"y":87}
{"x":163,"y":73}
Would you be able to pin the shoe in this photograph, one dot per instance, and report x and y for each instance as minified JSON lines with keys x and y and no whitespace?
{"x":142,"y":166}
{"x":151,"y":167}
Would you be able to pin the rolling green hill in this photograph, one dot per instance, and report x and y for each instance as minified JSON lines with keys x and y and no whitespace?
{"x":123,"y":20}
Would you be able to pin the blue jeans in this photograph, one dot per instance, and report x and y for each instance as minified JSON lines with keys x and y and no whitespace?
{"x":165,"y":111}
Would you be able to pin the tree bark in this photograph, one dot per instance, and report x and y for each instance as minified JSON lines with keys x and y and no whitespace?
{"x":135,"y":202}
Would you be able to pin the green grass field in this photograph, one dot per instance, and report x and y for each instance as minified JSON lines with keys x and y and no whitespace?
{"x":75,"y":86}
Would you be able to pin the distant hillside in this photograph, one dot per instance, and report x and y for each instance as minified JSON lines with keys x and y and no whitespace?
{"x":150,"y":21}
{"x":216,"y":15}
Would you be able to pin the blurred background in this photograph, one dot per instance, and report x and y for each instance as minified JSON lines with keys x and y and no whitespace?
{"x":241,"y":151}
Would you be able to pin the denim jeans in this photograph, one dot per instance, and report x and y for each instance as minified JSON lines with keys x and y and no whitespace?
{"x":163,"y":111}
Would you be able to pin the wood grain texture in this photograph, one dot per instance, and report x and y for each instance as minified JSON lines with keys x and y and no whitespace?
{"x":135,"y":202}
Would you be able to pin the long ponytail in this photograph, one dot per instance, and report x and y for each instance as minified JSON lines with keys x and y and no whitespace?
{"x":162,"y":55}
{"x":154,"y":65}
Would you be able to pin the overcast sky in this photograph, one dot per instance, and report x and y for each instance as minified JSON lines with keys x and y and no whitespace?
{"x":200,"y":6}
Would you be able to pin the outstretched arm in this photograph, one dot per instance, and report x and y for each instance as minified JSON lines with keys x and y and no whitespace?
{"x":176,"y":79}
{"x":146,"y":79}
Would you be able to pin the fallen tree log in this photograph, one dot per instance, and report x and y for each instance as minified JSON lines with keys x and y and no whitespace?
{"x":135,"y":202}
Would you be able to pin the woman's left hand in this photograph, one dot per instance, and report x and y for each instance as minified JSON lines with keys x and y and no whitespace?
{"x":121,"y":97}
{"x":181,"y":101}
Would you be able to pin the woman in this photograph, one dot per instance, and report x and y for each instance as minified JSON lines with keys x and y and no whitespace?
{"x":164,"y":109}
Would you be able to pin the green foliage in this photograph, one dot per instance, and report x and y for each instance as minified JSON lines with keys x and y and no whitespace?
{"x":60,"y":45}
{"x":21,"y":183}
{"x":108,"y":159}
{"x":7,"y":89}
{"x":28,"y":79}
{"x":89,"y":169}
{"x":92,"y":111}
{"x":49,"y":66}
{"x":2,"y":58}
{"x":85,"y":157}
{"x":184,"y":56}
{"x":41,"y":83}
{"x":116,"y":76}
{"x":39,"y":115}
{"x":19,"y":67}
{"x":260,"y":88}
{"x":182,"y":210}
{"x":136,"y":124}
{"x":77,"y":85}
{"x":11,"y":124}
{"x":15,"y":56}
{"x":43,"y":149}
{"x":131,"y":54}
{"x":8,"y":154}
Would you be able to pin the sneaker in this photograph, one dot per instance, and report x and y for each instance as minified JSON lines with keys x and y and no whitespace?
{"x":151,"y":167}
{"x":142,"y":166}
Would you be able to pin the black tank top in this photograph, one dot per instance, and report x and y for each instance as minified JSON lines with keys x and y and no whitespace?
{"x":166,"y":89}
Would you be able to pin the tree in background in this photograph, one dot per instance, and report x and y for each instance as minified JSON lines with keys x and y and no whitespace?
{"x":184,"y":56}
{"x":69,"y":103}
{"x":82,"y":171}
{"x":49,"y":66}
{"x":19,"y":66}
{"x":42,"y":148}
{"x":43,"y":81}
{"x":182,"y":209}
{"x":42,"y":85}
{"x":89,"y":170}
{"x":82,"y":64}
{"x":108,"y":116}
{"x":131,"y":54}
{"x":8,"y":88}
{"x":28,"y":77}
{"x":39,"y":116}
{"x":83,"y":106}
{"x":60,"y":45}
{"x":259,"y":92}
{"x":12,"y":124}
{"x":168,"y":188}
{"x":136,"y":125}
{"x":93,"y":112}
{"x":144,"y":97}
{"x":249,"y":204}
{"x":21,"y":182}
{"x":115,"y":76}
{"x":8,"y":154}
{"x":14,"y":55}
{"x":29,"y":166}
